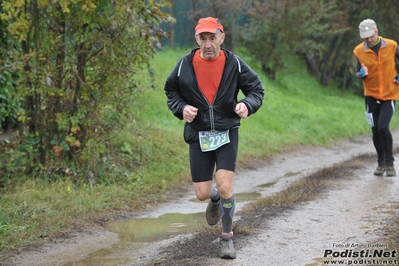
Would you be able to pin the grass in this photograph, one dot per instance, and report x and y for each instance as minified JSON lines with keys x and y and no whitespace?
{"x":149,"y":155}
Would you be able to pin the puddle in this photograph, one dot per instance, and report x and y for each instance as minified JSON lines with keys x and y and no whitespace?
{"x":133,"y":234}
{"x":388,"y":208}
{"x":270,"y":184}
{"x":242,"y":197}
{"x":156,"y":229}
{"x":290,"y":174}
{"x":267,"y":184}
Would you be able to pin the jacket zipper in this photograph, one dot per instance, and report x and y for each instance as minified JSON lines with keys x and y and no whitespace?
{"x":211,"y":110}
{"x":211,"y":113}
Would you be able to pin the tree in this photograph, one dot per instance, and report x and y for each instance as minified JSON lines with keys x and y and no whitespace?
{"x":78,"y":60}
{"x":9,"y":106}
{"x":262,"y":37}
{"x":325,"y":34}
{"x":283,"y":27}
{"x":322,"y":32}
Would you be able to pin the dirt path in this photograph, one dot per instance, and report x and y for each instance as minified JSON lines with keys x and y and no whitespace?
{"x":352,"y":212}
{"x":350,"y":215}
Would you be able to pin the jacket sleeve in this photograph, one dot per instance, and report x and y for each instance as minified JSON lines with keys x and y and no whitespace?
{"x":175,"y":101}
{"x":251,"y":87}
{"x":357,"y":69}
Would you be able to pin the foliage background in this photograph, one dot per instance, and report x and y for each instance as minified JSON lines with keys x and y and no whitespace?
{"x":322,"y":32}
{"x":77,"y":62}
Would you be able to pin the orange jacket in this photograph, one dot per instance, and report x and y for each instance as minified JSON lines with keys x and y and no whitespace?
{"x":382,"y":70}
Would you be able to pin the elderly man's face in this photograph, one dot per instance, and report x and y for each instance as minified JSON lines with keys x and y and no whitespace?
{"x":210,"y":44}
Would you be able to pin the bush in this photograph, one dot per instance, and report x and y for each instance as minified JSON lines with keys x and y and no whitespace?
{"x":9,"y":105}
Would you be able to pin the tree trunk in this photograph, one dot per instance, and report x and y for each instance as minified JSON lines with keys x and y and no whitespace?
{"x":269,"y":72}
{"x":312,"y":65}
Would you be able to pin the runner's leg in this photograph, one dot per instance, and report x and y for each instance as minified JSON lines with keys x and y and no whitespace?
{"x":226,"y":157}
{"x":372,"y":106}
{"x":386,"y":112}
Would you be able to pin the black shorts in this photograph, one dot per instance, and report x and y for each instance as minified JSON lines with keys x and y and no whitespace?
{"x":202,"y":164}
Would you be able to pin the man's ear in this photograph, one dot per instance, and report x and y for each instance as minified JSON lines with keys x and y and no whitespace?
{"x":197,"y":39}
{"x":223,"y":36}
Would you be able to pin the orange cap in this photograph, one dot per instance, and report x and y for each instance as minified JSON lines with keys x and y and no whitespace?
{"x":208,"y":24}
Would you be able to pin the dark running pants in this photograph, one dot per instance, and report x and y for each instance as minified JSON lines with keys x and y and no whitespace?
{"x":382,"y":138}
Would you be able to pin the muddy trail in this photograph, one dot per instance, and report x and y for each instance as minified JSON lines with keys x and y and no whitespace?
{"x":347,"y":220}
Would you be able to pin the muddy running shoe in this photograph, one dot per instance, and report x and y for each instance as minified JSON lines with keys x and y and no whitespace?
{"x":390,"y":171}
{"x":227,"y":250}
{"x":379,"y":171}
{"x":213,"y":212}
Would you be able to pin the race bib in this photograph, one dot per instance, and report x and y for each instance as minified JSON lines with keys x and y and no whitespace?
{"x":370,"y":120}
{"x":211,"y":140}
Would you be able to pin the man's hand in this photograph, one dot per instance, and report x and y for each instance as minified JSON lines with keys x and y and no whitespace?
{"x":242,"y":110}
{"x":189,"y":113}
{"x":364,"y":71}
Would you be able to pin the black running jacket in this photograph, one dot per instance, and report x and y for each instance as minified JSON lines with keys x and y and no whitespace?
{"x":181,"y":89}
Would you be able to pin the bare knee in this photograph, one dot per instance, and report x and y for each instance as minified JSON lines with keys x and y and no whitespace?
{"x":225,"y":189}
{"x":203,"y":190}
{"x":224,"y":181}
{"x":201,"y":196}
